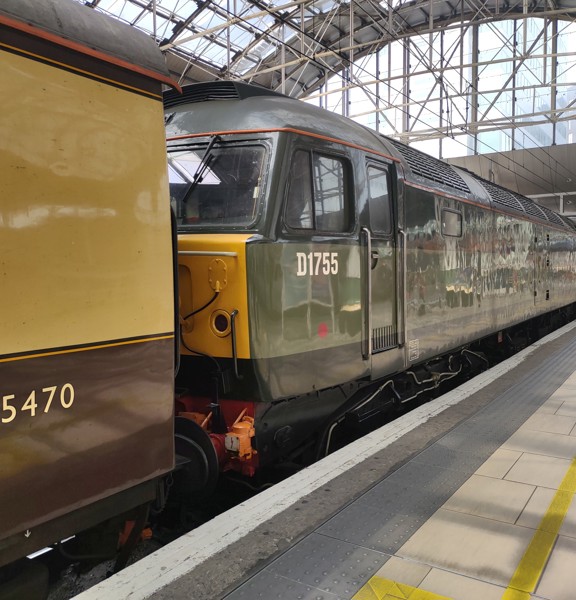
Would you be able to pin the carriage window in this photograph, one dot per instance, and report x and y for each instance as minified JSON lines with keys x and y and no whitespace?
{"x":378,"y":199}
{"x":451,"y":223}
{"x":317,"y":196}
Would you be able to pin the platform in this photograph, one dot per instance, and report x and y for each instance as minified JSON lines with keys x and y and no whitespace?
{"x":468,"y":497}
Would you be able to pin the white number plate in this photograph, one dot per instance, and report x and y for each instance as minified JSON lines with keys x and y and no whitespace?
{"x":316,"y":263}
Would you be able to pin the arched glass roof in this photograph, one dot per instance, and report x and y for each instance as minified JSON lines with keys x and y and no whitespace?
{"x":298,"y":45}
{"x":456,"y":79}
{"x":204,"y":39}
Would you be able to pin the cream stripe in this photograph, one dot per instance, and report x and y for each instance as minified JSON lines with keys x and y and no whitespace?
{"x":86,"y":348}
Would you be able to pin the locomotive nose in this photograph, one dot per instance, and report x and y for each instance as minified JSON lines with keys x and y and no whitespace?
{"x":212,"y":284}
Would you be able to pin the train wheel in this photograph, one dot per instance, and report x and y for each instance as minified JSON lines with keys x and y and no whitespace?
{"x":198,"y":468}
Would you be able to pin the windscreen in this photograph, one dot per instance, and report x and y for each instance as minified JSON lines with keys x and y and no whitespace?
{"x":216,"y":183}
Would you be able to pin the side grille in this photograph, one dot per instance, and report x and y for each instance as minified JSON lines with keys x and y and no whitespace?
{"x":383,"y":338}
{"x":552,"y":216}
{"x":430,"y":168}
{"x":531,"y":207}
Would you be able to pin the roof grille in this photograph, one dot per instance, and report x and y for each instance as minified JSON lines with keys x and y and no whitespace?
{"x":552,"y":216}
{"x":521,"y":203}
{"x":502,"y":196}
{"x":214,"y":90}
{"x":531,"y":207}
{"x":431,"y":168}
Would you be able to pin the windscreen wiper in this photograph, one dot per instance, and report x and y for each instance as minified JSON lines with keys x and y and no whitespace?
{"x":202,"y":168}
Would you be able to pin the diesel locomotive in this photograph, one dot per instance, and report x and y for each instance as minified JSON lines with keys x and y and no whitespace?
{"x":326,"y":271}
{"x":87,"y":352}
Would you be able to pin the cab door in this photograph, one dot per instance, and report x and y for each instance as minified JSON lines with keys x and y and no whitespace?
{"x":382,"y":281}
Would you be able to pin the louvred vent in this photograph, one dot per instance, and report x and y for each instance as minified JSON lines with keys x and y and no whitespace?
{"x":520,"y":203}
{"x":430,"y":168}
{"x":214,"y":90}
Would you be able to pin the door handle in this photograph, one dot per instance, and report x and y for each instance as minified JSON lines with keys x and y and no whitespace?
{"x":374,"y":256}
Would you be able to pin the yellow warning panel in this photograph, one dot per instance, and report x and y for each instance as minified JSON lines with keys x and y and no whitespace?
{"x":379,"y":588}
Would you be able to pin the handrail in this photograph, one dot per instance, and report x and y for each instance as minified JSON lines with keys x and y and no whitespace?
{"x":233,"y":335}
{"x":401,"y":310}
{"x":368,"y":321}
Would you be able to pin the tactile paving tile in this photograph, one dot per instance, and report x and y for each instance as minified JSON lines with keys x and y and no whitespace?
{"x":268,"y":586}
{"x":330,"y":565}
{"x":387,"y":515}
{"x":466,"y":458}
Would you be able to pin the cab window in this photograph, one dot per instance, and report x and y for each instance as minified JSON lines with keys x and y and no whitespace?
{"x":216,"y":184}
{"x":317,"y":197}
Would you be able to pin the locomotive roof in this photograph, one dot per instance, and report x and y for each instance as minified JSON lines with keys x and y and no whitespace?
{"x":257,"y":108}
{"x":84,"y":30}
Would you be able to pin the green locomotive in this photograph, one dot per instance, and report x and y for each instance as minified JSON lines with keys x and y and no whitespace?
{"x":326,"y":271}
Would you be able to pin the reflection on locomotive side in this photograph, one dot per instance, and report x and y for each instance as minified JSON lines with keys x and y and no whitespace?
{"x":359,"y":273}
{"x":476,"y":268}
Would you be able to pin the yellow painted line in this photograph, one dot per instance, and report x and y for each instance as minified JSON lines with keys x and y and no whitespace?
{"x":529,"y":571}
{"x":378,"y":588}
{"x":87,"y":348}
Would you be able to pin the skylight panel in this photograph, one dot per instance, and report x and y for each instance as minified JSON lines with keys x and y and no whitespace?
{"x":262,"y":49}
{"x":244,"y":65}
{"x":194,"y":46}
{"x":327,"y":5}
{"x":208,"y":18}
{"x":240,"y":37}
{"x":266,"y":21}
{"x":178,"y":7}
{"x":214,"y":54}
{"x":121,"y":9}
{"x":145,"y":21}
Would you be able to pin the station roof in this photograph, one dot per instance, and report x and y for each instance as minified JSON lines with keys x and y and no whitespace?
{"x":296,"y":46}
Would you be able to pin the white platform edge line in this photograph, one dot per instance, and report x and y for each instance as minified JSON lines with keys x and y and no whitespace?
{"x":159,"y":569}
